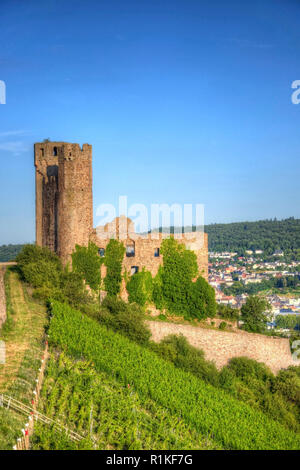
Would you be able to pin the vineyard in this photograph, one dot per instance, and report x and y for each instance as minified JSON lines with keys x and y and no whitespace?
{"x":107,"y":414}
{"x":135,"y":381}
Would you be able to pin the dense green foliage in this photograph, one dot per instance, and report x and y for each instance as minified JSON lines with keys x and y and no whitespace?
{"x":174,"y":288}
{"x":9,"y":252}
{"x":107,"y":414}
{"x":267,"y":235}
{"x":177,"y":350}
{"x":127,"y":319}
{"x":204,"y":408}
{"x":87,"y":262}
{"x":254,"y":314}
{"x":43,"y":270}
{"x":288,"y":321}
{"x":113,"y":259}
{"x":227,"y":312}
{"x":284,"y":282}
{"x":277,"y":396}
{"x":140,"y":288}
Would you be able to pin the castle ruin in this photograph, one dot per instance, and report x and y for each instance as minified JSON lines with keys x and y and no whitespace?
{"x":64,"y":212}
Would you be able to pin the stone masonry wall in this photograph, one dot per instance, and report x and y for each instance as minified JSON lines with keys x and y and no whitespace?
{"x":64,"y":202}
{"x":145,"y":245}
{"x":221,"y":346}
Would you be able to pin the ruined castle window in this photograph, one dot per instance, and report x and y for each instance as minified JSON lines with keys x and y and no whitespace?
{"x":156,"y":252}
{"x":101,"y":252}
{"x":134,"y":270}
{"x":130,"y":249}
{"x":54,"y":151}
{"x":42,"y":152}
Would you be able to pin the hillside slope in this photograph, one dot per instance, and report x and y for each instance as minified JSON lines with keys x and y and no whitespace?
{"x":23,"y":335}
{"x":232,"y":425}
{"x":267,"y":235}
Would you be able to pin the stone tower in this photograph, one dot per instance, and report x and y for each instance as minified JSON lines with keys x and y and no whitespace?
{"x":64,"y":200}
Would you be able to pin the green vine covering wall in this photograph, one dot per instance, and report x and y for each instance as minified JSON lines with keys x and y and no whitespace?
{"x":86,"y":262}
{"x":113,"y":259}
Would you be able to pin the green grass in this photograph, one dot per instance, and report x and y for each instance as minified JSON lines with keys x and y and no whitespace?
{"x":209,"y":411}
{"x":23,"y":334}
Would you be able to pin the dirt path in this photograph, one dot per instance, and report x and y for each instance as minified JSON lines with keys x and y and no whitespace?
{"x":25,"y":333}
{"x":2,"y":297}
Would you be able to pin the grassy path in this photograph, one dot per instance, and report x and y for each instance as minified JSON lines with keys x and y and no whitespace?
{"x":23,"y":334}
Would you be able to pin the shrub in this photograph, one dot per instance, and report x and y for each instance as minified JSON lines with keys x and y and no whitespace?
{"x":139,"y":288}
{"x":244,"y":367}
{"x":227,"y":312}
{"x":35,"y":254}
{"x":254,"y":314}
{"x":222,"y":325}
{"x":178,"y":350}
{"x":42,"y":273}
{"x":74,"y":290}
{"x":201,"y":301}
{"x":287,"y":383}
{"x":127,"y":319}
{"x":43,"y":270}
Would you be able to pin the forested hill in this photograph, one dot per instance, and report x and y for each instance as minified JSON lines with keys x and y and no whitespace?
{"x":267,"y":235}
{"x":9,"y":252}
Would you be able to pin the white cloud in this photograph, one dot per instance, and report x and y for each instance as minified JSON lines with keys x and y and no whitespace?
{"x":11,"y":133}
{"x":16,"y":147}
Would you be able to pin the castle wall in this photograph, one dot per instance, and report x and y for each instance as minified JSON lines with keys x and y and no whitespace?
{"x":221,"y":346}
{"x":75,"y":202}
{"x":146,"y":246}
{"x":64,"y":202}
{"x":46,"y":178}
{"x":64,"y":211}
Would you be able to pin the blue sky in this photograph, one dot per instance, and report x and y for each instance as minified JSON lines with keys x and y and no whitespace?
{"x":184,"y":101}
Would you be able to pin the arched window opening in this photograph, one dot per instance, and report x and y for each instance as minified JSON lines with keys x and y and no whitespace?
{"x":101,"y":252}
{"x":134,"y":270}
{"x":130,"y":249}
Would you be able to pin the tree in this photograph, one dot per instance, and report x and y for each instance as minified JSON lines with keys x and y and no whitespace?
{"x":287,"y":321}
{"x":202,"y":301}
{"x":113,"y":260}
{"x":255,"y":314}
{"x":87,"y":263}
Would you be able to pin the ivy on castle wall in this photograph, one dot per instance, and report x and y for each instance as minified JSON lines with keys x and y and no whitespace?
{"x":174,"y":288}
{"x":87,"y":263}
{"x":113,"y":260}
{"x":139,"y":287}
